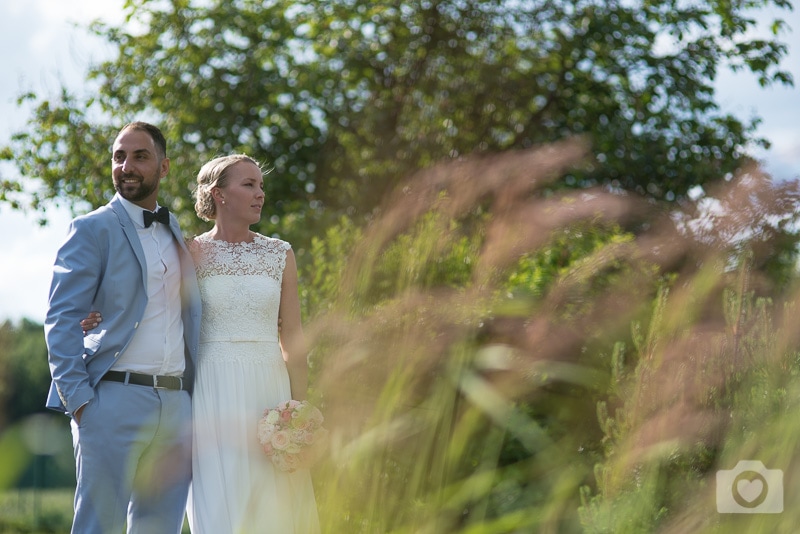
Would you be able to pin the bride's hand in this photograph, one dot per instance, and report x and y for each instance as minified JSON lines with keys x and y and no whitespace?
{"x":91,"y":321}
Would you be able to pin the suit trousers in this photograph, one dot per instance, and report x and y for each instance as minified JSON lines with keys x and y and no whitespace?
{"x":133,"y":460}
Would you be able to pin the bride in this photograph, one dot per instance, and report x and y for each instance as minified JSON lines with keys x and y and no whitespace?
{"x":248,"y":284}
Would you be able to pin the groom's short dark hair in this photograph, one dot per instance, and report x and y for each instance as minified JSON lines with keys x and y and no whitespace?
{"x":158,"y":137}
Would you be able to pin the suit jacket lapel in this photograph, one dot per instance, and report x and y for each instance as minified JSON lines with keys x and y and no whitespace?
{"x":129,"y":229}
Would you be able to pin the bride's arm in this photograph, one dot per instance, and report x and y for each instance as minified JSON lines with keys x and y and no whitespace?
{"x":293,"y":344}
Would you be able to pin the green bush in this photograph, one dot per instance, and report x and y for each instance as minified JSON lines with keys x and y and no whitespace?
{"x":36,"y":511}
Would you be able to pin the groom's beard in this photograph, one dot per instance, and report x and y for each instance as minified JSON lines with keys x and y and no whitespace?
{"x":135,"y":191}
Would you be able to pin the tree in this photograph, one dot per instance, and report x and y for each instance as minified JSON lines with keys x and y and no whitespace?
{"x":439,"y":79}
{"x":346,"y":98}
{"x":26,"y":376}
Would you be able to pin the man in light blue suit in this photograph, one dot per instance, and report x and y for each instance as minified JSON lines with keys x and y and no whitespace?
{"x":126,"y":383}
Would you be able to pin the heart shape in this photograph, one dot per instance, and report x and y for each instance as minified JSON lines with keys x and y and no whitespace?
{"x":750,"y":490}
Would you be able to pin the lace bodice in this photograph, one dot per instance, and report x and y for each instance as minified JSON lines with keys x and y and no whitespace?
{"x":240,"y":285}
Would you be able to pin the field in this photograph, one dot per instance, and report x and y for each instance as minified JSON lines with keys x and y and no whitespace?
{"x":47,"y":511}
{"x":35,"y":511}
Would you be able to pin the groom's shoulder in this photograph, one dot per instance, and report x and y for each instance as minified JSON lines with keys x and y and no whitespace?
{"x":102,"y":213}
{"x":104,"y":220}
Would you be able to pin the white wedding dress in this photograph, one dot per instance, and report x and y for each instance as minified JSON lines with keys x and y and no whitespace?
{"x":240,"y":372}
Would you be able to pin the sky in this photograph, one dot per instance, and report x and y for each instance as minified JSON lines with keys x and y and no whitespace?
{"x":48,"y":45}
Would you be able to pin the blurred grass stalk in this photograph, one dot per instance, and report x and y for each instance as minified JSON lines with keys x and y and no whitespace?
{"x":495,"y":354}
{"x":600,"y":395}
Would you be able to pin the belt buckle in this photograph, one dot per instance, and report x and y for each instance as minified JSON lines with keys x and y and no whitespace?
{"x":155,"y":383}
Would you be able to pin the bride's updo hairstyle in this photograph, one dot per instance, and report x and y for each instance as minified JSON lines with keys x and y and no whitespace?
{"x":214,"y":174}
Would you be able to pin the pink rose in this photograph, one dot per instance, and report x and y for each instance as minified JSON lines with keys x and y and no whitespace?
{"x":306,"y":438}
{"x":280,"y":440}
{"x":265,"y":431}
{"x":291,"y":434}
{"x":305,"y":424}
{"x":292,"y":462}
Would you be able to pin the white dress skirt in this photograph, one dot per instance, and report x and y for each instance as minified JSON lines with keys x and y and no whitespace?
{"x":240,"y":372}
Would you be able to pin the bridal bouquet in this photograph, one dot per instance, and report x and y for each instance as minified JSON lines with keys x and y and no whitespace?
{"x":292,"y":434}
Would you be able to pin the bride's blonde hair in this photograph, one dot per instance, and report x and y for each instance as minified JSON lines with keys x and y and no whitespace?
{"x":214,"y":174}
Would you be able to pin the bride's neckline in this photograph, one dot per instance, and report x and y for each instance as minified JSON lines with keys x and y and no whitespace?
{"x":254,"y":236}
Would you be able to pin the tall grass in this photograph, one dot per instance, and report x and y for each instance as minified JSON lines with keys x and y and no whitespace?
{"x":36,"y":511}
{"x":496,"y":355}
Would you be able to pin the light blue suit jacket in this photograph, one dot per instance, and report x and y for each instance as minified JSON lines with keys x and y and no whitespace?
{"x":101,"y":266}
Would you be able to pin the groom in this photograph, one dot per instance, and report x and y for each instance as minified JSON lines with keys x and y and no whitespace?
{"x":126,"y":383}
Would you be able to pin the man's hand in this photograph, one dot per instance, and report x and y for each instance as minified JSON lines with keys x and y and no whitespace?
{"x":91,"y":321}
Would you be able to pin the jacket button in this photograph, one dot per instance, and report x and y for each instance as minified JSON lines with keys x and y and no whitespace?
{"x":116,"y":354}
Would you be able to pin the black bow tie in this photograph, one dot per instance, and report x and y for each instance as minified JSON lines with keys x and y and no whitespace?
{"x":162,"y":216}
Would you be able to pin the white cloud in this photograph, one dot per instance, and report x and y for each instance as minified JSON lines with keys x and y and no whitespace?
{"x":28,"y":254}
{"x":47,"y":49}
{"x":83,"y":11}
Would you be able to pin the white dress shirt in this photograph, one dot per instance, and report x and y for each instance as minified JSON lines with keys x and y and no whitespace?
{"x":157,"y":347}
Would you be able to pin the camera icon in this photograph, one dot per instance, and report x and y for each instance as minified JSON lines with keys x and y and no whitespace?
{"x":750,"y":488}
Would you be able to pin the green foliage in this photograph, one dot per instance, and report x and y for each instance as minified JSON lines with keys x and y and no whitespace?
{"x":34,"y":443}
{"x":705,"y":392}
{"x":565,"y":381}
{"x":36,"y":511}
{"x":438,"y":79}
{"x":27,"y":377}
{"x":449,"y":421}
{"x":567,"y":376}
{"x":15,"y":456}
{"x":323,"y":272}
{"x":345,"y":99}
{"x":570,"y":249}
{"x":39,"y":511}
{"x":493,"y":351}
{"x":434,"y":254}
